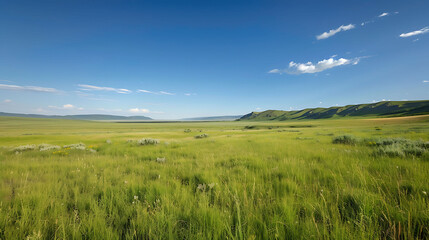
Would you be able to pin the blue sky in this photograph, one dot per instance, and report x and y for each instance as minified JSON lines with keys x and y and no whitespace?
{"x":169,"y":60}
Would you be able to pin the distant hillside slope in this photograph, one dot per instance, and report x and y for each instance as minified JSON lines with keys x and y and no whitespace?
{"x":77,"y":117}
{"x":215,"y":118}
{"x":382,"y":109}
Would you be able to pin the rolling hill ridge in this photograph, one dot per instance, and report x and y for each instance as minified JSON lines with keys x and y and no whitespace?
{"x":379,"y":109}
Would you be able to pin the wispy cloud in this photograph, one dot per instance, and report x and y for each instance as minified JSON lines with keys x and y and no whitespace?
{"x":28,"y":88}
{"x":190,"y":94}
{"x":87,"y":87}
{"x":275,"y":70}
{"x":309,"y":67}
{"x":139,"y":110}
{"x":414,"y":33}
{"x":332,"y":32}
{"x":425,"y":81}
{"x":166,"y":93}
{"x":158,"y":93}
{"x":145,"y":91}
{"x":382,"y":15}
{"x":7,"y":101}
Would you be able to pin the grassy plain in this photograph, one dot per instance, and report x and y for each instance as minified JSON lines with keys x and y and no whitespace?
{"x":247,"y":180}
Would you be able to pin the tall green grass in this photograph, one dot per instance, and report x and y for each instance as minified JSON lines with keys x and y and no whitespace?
{"x":239,"y":183}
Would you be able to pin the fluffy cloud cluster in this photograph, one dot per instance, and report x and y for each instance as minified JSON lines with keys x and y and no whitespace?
{"x":309,"y":67}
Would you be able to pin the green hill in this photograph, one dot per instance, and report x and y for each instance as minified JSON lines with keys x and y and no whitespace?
{"x":380,"y":109}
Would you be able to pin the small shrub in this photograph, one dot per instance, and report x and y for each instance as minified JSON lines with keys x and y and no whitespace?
{"x":399,"y":147}
{"x":187,"y":130}
{"x":202,"y":136}
{"x":391,"y":151}
{"x":345,"y":139}
{"x":147,"y":141}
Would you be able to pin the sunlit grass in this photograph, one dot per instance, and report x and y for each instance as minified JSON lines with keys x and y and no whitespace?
{"x":281,"y":180}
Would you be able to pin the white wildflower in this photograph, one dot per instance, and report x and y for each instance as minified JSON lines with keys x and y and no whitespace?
{"x":201,"y":187}
{"x":77,"y":146}
{"x":24,"y":148}
{"x":202,"y":136}
{"x":147,"y":141}
{"x":160,"y":160}
{"x":48,"y":147}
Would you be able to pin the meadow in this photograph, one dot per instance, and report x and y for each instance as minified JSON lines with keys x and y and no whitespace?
{"x":348,"y":178}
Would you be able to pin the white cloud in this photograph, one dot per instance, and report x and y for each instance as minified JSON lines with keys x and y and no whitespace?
{"x":145,"y":91}
{"x":67,"y":107}
{"x":414,"y":33}
{"x":139,"y":110}
{"x":7,"y":101}
{"x":425,"y":81}
{"x":364,"y":23}
{"x":28,"y":88}
{"x":309,"y":67}
{"x":275,"y":70}
{"x":87,"y":87}
{"x":166,"y":93}
{"x":158,"y":93}
{"x":332,"y":32}
{"x":384,"y":14}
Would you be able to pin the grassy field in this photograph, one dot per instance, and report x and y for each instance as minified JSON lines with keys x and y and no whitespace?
{"x":246,"y":180}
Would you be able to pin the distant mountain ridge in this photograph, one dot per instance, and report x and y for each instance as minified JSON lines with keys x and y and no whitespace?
{"x":77,"y":117}
{"x":214,"y":118}
{"x":380,"y":109}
